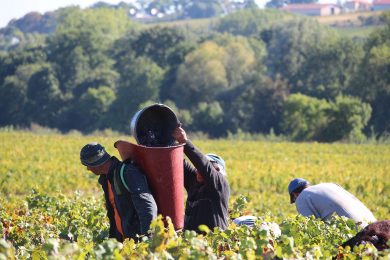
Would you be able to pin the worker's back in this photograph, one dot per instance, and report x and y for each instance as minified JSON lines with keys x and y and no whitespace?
{"x":323,"y":199}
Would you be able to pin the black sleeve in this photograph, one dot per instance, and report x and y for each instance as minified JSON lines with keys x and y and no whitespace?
{"x":189,"y":175}
{"x":146,"y":209}
{"x":203,"y":165}
{"x":142,"y":198}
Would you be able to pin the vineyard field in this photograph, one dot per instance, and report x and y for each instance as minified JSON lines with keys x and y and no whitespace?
{"x":51,"y":207}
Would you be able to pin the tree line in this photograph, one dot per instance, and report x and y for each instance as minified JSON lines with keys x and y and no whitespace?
{"x":254,"y":71}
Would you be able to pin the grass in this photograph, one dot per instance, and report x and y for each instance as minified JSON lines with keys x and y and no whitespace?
{"x":349,"y":24}
{"x":361,"y":32}
{"x":260,"y":170}
{"x":345,"y":18}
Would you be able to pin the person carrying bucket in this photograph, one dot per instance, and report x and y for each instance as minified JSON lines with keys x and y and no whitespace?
{"x":129,"y":202}
{"x":207,"y":187}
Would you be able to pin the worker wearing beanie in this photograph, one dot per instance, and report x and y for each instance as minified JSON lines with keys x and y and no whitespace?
{"x":129,"y":202}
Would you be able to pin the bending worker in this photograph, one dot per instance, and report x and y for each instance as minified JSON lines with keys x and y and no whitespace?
{"x":207,"y":188}
{"x":324,"y":199}
{"x":129,"y":202}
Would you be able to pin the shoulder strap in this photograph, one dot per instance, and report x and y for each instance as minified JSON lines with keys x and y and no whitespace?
{"x":123,"y":179}
{"x":120,"y":185}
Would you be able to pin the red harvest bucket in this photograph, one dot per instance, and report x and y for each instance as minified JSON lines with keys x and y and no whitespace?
{"x":163,"y":167}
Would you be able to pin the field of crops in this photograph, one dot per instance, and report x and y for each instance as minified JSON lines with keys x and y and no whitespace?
{"x":50,"y":206}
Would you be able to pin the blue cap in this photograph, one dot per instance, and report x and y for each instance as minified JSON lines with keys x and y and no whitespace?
{"x":215,"y":158}
{"x":294,"y":185}
{"x":93,"y":154}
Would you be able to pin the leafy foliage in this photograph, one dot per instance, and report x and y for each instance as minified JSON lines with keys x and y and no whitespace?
{"x":98,"y":67}
{"x":51,"y":208}
{"x":252,"y":22}
{"x":309,"y":118}
{"x":305,"y":117}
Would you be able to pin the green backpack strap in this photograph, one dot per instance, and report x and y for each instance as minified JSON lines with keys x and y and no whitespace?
{"x":123,"y":179}
{"x":120,"y":185}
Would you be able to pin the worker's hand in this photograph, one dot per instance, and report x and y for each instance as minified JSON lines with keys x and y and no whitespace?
{"x":180,"y":135}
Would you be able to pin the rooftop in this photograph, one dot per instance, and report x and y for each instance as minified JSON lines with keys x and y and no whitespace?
{"x":381,"y":2}
{"x":291,"y":7}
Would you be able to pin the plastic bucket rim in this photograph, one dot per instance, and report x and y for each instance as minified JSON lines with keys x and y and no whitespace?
{"x":137,"y":115}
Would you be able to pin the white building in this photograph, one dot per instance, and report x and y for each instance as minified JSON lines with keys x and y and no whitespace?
{"x":379,"y":5}
{"x":357,"y":6}
{"x":312,"y":9}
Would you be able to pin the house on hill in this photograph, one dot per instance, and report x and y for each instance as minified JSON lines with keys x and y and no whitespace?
{"x":380,"y":5}
{"x":312,"y":9}
{"x":357,"y":6}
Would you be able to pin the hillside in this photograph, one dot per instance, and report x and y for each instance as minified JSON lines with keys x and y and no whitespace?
{"x":351,"y":19}
{"x":35,"y":22}
{"x":254,"y":70}
{"x":354,"y":24}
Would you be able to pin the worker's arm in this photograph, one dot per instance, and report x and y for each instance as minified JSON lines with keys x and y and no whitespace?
{"x":189,"y":171}
{"x":146,"y":209}
{"x":189,"y":175}
{"x":141,"y":196}
{"x":199,"y":160}
{"x":203,"y":165}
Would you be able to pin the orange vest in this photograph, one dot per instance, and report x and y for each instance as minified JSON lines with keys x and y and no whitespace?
{"x":118,"y":221}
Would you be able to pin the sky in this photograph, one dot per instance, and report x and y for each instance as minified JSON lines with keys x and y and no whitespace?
{"x":10,"y":9}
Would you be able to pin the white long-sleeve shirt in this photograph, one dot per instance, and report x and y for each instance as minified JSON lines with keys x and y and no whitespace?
{"x":323,"y":199}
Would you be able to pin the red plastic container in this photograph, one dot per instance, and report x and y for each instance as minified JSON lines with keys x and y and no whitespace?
{"x":163,"y":167}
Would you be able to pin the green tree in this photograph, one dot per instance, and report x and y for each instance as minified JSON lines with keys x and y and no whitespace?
{"x":307,"y":118}
{"x":290,"y":44}
{"x":139,"y":82}
{"x":165,"y":46}
{"x":250,"y":4}
{"x":201,"y":76}
{"x":348,"y":116}
{"x":203,"y":9}
{"x":101,"y":76}
{"x":91,"y":111}
{"x":79,"y":45}
{"x":372,"y":82}
{"x":34,"y":22}
{"x":276,"y":3}
{"x":251,"y":22}
{"x":208,"y":117}
{"x":158,"y":44}
{"x":304,"y":117}
{"x":13,"y":95}
{"x":221,"y":63}
{"x":12,"y":39}
{"x":10,"y":61}
{"x":13,"y":100}
{"x":184,"y":115}
{"x":244,"y":57}
{"x":45,"y":98}
{"x":256,"y":107}
{"x":329,"y":69}
{"x":175,"y":59}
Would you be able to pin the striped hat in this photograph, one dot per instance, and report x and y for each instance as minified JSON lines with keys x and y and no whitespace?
{"x":245,"y":220}
{"x":93,"y":155}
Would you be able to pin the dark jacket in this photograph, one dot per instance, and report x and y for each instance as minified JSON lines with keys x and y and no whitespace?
{"x":207,"y":203}
{"x":136,"y":208}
